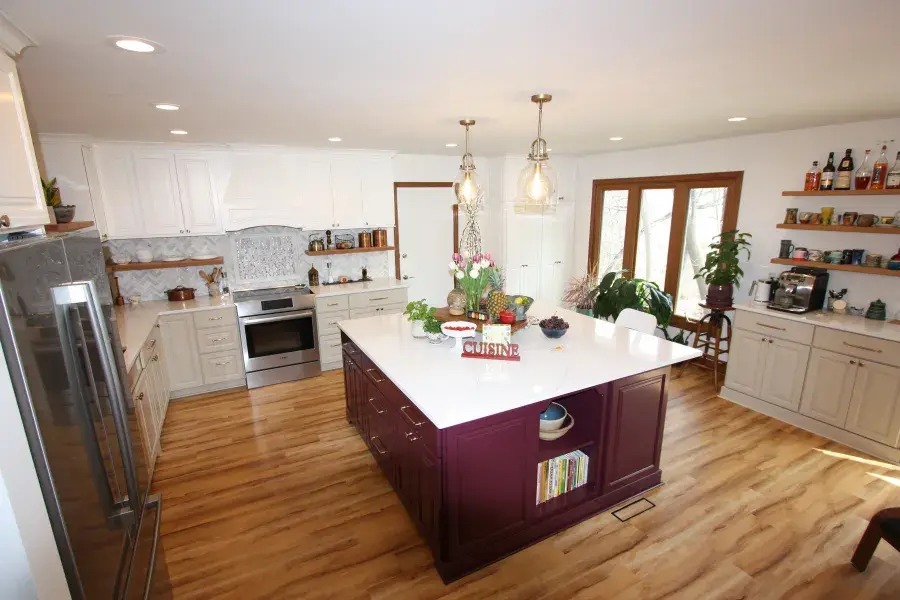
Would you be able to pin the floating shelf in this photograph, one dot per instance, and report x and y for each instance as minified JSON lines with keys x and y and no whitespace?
{"x":349,"y":251}
{"x":841,"y":228}
{"x":844,"y":193}
{"x":832,"y":267}
{"x":164,"y":264}
{"x":67,"y":227}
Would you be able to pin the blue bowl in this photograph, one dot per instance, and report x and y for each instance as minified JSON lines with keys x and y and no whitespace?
{"x":554,"y":411}
{"x":554,"y":333}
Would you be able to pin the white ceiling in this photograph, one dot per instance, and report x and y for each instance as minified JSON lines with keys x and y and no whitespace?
{"x":399,"y":74}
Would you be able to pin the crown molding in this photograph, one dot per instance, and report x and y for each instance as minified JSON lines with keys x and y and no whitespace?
{"x":12,"y":39}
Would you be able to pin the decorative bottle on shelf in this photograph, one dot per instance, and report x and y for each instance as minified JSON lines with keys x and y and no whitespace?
{"x":813,"y":176}
{"x":313,"y":276}
{"x":879,"y":172}
{"x":864,"y":173}
{"x":892,"y":181}
{"x":844,"y":178}
{"x":827,"y":181}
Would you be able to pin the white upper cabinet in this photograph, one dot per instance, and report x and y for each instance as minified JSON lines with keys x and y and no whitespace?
{"x":314,"y":183}
{"x":199,"y":201}
{"x":121,"y":208}
{"x":21,"y":194}
{"x":346,"y":190}
{"x":378,"y":191}
{"x":157,"y":192}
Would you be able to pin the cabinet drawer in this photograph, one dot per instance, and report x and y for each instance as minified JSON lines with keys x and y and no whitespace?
{"x":326,"y":323}
{"x":331,"y":304}
{"x":367,"y":299}
{"x":215,"y":318}
{"x":149,"y":347}
{"x":218,"y":339}
{"x":802,"y":333}
{"x":330,"y":348}
{"x":373,"y":311}
{"x":860,"y":346}
{"x":222,"y":366}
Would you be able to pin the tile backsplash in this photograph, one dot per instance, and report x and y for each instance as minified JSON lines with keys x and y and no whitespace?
{"x":255,"y":257}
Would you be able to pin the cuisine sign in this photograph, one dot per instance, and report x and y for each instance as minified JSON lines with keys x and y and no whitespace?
{"x":491,"y":351}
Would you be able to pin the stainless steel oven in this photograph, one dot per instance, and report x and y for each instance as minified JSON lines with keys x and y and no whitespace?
{"x":278,"y":335}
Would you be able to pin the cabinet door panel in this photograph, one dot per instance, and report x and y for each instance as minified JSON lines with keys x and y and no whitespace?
{"x":183,"y":360}
{"x":115,"y":169}
{"x":378,"y":192}
{"x":346,"y":189}
{"x":875,"y":403}
{"x":158,"y":194}
{"x":199,"y":199}
{"x":146,"y":421}
{"x":828,"y":387}
{"x":785,"y":368}
{"x":745,"y":362}
{"x":314,"y":185}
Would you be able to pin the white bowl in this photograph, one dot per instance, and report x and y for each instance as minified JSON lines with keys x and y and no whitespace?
{"x":144,"y":256}
{"x":121,"y":260}
{"x":549,"y":436}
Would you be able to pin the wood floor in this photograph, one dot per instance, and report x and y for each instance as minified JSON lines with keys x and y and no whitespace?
{"x":270,"y":494}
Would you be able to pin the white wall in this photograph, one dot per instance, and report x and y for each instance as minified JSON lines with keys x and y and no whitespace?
{"x":771,"y":163}
{"x":15,"y":576}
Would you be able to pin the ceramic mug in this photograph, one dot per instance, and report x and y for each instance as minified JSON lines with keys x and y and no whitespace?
{"x":834,"y":256}
{"x":849,"y":218}
{"x":815,"y":255}
{"x":786,"y":249}
{"x":887,"y":220}
{"x":799,"y":254}
{"x":805,"y":217}
{"x":866,"y":220}
{"x":858,"y":256}
{"x":827,"y":214}
{"x":790,"y":216}
{"x":847,"y":257}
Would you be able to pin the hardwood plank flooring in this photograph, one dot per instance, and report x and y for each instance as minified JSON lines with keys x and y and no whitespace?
{"x":269,"y":493}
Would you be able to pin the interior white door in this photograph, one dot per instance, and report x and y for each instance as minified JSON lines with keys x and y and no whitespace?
{"x":875,"y":403}
{"x":158,"y":193}
{"x":199,"y":200}
{"x":425,"y":221}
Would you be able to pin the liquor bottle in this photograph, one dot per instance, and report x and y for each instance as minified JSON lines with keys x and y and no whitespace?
{"x":827,"y":181}
{"x":879,"y":173}
{"x":843,"y":180}
{"x":892,"y":181}
{"x":864,"y":173}
{"x":813,"y":176}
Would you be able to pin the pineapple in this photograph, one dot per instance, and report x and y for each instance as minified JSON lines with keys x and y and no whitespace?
{"x":496,"y":300}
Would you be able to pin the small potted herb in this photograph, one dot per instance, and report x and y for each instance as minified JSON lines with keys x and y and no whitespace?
{"x":432,"y":328}
{"x":722,"y":271}
{"x":417,"y":312}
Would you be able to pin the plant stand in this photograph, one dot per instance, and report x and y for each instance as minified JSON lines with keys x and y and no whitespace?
{"x":713,"y":338}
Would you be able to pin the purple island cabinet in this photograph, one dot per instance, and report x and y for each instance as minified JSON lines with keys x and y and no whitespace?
{"x":471,"y":488}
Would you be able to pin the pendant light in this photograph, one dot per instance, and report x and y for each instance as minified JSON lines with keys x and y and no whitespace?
{"x":468,"y":190}
{"x":537,"y":183}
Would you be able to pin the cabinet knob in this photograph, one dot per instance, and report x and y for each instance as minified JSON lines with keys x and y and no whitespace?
{"x":411,"y":437}
{"x":406,"y":277}
{"x":403,"y":256}
{"x":4,"y":221}
{"x":188,"y":230}
{"x":763,"y":340}
{"x":852,"y":362}
{"x":861,"y":364}
{"x":770,"y":341}
{"x":141,"y":396}
{"x":181,"y":231}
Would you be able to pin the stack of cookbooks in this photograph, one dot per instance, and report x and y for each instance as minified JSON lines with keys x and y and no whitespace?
{"x":561,"y":474}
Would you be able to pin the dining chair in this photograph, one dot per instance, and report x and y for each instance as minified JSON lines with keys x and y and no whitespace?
{"x":637,"y":320}
{"x":884,"y":525}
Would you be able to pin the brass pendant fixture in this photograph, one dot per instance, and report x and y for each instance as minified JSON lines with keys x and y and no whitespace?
{"x":466,"y":186}
{"x":537,"y":182}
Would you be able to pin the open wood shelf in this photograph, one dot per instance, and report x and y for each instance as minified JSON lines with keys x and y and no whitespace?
{"x":841,"y":228}
{"x":843,"y":193}
{"x":833,"y":267}
{"x":573,"y":440}
{"x":567,"y":500}
{"x":350,"y":250}
{"x":165,"y":264}
{"x":66,"y":227}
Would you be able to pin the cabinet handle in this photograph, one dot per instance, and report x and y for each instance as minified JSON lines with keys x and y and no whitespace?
{"x":214,"y":318}
{"x":338,"y":345}
{"x":377,"y":410}
{"x":223,"y":362}
{"x":771,"y":342}
{"x":764,"y":340}
{"x":861,"y":365}
{"x":140,"y":396}
{"x":350,"y":348}
{"x":181,"y":231}
{"x":155,"y":358}
{"x":771,"y":326}
{"x":370,"y":372}
{"x":188,"y":230}
{"x":863,"y":348}
{"x":333,"y":304}
{"x":378,"y":445}
{"x":411,"y":420}
{"x":377,"y":309}
{"x":377,"y":299}
{"x":411,"y":437}
{"x":852,"y":362}
{"x":220,"y":339}
{"x":151,"y":345}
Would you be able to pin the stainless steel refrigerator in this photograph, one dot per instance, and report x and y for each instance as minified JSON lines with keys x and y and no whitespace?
{"x":58,"y":331}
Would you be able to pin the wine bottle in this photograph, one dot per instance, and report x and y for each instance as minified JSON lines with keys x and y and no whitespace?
{"x":864,"y":173}
{"x":844,"y":178}
{"x":827,"y":181}
{"x":812,"y":178}
{"x":892,"y":181}
{"x":879,"y":173}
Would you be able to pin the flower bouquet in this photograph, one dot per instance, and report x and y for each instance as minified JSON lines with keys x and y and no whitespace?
{"x":473,"y":275}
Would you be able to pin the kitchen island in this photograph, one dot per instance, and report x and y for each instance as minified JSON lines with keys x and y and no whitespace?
{"x":458,"y":437}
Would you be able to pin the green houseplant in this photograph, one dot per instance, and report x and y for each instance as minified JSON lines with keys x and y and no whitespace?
{"x":417,"y":312}
{"x":614,"y":294}
{"x":722,"y":271}
{"x":62,"y":213}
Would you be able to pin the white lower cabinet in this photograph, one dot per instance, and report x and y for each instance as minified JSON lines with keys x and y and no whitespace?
{"x":783,"y":373}
{"x":746,"y":362}
{"x":829,"y":384}
{"x":150,"y":396}
{"x":875,"y":403}
{"x":183,"y":356}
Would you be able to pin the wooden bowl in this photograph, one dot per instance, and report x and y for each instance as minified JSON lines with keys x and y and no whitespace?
{"x":549,"y":436}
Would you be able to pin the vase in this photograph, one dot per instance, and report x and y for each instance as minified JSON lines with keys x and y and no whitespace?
{"x":64,"y":214}
{"x":456,"y":300}
{"x":418,"y":331}
{"x":588,"y":312}
{"x":719,"y":296}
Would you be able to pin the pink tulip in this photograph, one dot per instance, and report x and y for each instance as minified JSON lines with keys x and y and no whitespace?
{"x":457,"y":257}
{"x":487,"y":255}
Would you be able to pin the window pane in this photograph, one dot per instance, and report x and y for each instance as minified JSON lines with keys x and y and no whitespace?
{"x":612,"y":231}
{"x":653,"y":235}
{"x":706,"y":209}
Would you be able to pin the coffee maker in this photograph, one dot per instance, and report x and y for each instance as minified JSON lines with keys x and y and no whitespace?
{"x":800,"y":290}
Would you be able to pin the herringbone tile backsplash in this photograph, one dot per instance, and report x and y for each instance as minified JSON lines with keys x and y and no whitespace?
{"x":254,"y":258}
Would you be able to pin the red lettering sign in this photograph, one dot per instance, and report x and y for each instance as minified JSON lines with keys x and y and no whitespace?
{"x":491,"y":351}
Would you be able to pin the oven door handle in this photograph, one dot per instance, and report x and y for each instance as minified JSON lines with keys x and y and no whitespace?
{"x":275,"y":318}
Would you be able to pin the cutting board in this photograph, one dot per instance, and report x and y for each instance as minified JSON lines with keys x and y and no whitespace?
{"x":443,"y":315}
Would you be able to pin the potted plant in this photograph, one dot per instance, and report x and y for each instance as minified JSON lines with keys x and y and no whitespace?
{"x":432,"y":328}
{"x":578,"y":293}
{"x":416,"y":313}
{"x":473,"y":276}
{"x":614,"y":294}
{"x":722,"y":271}
{"x":62,"y":213}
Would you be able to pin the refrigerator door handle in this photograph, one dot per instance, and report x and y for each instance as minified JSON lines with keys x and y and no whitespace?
{"x":85,"y":292}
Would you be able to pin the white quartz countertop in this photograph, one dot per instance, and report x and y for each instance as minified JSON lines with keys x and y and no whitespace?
{"x":378,"y":284}
{"x":451,"y":390}
{"x":136,"y":321}
{"x":849,"y":323}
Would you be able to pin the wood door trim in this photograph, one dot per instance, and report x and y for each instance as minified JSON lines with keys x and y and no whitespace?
{"x":413,"y":184}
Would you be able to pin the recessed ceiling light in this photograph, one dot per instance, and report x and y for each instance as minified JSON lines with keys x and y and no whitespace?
{"x":166,"y":106}
{"x":452,"y":145}
{"x":178,"y":132}
{"x":133,"y":44}
{"x":334,"y":139}
{"x":616,"y":139}
{"x":737,"y":119}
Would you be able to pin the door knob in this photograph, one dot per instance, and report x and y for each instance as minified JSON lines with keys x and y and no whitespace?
{"x":406,"y":277}
{"x":4,"y":221}
{"x":402,"y":256}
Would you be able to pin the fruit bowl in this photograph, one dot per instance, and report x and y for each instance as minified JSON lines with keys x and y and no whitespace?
{"x":554,"y":334}
{"x":554,"y":327}
{"x":519,"y":305}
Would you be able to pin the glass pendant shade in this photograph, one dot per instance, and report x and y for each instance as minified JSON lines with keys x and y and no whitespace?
{"x":537,"y":182}
{"x":466,"y":186}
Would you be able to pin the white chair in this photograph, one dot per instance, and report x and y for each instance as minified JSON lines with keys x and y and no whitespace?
{"x":637,"y":320}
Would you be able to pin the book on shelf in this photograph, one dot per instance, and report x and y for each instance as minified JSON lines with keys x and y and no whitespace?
{"x":562,"y":474}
